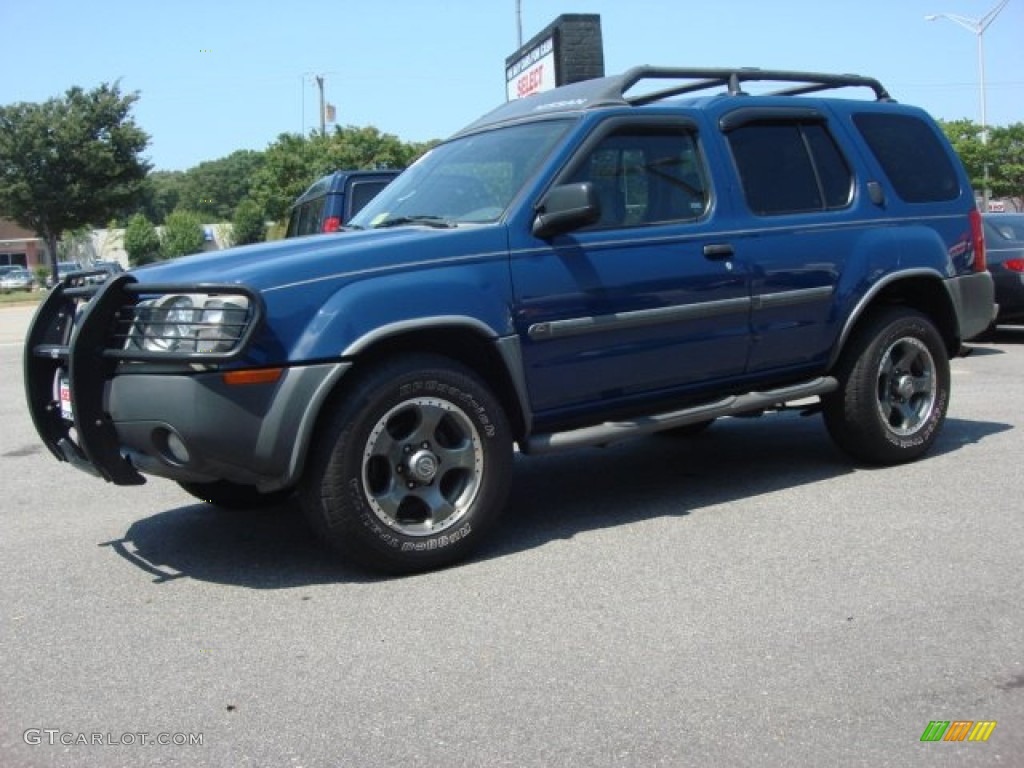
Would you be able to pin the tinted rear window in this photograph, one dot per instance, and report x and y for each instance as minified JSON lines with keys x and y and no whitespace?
{"x":790,"y":167}
{"x":912,"y":156}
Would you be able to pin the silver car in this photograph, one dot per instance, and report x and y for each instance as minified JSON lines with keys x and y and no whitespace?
{"x":16,"y":280}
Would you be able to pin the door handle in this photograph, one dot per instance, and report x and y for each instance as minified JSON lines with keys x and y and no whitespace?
{"x":717,"y":251}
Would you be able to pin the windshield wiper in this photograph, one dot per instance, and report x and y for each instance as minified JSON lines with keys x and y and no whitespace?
{"x":438,"y":222}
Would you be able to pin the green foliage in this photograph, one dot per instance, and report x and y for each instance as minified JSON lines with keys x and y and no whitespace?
{"x":248,"y":225}
{"x":141,"y":241}
{"x":162,"y":193}
{"x":1003,"y":153}
{"x":215,"y":188}
{"x":1007,"y":171}
{"x":272,"y":178}
{"x":965,"y":136}
{"x":294,"y":162}
{"x":182,"y":235}
{"x":70,"y":162}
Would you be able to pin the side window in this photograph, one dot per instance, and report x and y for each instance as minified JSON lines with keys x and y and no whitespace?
{"x":362,"y":193}
{"x":305,"y":218}
{"x":790,"y":167}
{"x":911,"y":155}
{"x":645,"y":175}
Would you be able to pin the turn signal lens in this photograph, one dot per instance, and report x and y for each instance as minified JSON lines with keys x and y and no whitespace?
{"x":258,"y":376}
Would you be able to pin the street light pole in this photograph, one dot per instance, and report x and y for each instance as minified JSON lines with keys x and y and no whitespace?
{"x":978,"y":27}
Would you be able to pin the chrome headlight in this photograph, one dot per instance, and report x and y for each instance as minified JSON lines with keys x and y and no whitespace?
{"x":194,"y":323}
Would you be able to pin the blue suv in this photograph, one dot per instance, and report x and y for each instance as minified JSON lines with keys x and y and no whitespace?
{"x":616,"y":257}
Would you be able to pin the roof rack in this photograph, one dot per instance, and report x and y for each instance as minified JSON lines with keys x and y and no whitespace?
{"x":612,"y":91}
{"x":703,"y":79}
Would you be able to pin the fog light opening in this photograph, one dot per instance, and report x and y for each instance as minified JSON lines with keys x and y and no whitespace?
{"x":172,"y":447}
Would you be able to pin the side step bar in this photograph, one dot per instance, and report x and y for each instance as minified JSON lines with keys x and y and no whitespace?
{"x":613,"y":431}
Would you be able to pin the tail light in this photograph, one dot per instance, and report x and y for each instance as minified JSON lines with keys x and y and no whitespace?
{"x":1014,"y":265}
{"x":331,"y":224}
{"x":978,"y":241}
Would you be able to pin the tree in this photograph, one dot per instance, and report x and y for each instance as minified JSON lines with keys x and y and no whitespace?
{"x":216,"y":187}
{"x":965,"y":136}
{"x":162,"y":193}
{"x":1007,"y":172}
{"x":294,"y":162}
{"x":248,"y":225}
{"x":141,"y":241}
{"x":70,"y":162}
{"x":288,"y":169}
{"x":182,"y":235}
{"x":76,"y":245}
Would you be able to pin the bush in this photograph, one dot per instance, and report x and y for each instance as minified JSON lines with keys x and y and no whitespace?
{"x":141,"y":241}
{"x":182,"y":235}
{"x":248,"y":225}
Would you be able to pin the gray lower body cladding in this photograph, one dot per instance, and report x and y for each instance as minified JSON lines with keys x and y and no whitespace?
{"x":197,"y":428}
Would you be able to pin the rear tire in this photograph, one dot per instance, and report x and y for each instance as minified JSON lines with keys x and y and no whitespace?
{"x":411,"y":468}
{"x":894,"y":388}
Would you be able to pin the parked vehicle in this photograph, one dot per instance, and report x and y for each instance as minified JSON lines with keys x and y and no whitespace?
{"x":615,"y":257}
{"x":334,"y":199}
{"x":1004,"y":238}
{"x":101,"y":271}
{"x":63,"y":268}
{"x":16,"y":280}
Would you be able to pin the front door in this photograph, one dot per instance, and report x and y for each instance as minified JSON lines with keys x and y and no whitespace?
{"x":644,"y":303}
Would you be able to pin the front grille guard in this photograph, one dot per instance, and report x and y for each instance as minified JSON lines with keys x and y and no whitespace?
{"x":80,"y":328}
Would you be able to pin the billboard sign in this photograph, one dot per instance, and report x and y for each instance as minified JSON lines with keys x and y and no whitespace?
{"x":534,"y":72}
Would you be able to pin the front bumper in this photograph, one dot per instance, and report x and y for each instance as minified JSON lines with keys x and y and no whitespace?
{"x":199,"y":428}
{"x":179,"y":419}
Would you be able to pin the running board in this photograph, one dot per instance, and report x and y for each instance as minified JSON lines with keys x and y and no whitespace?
{"x":613,"y":431}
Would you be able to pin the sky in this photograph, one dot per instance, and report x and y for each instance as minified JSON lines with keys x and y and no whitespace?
{"x":221,"y":75}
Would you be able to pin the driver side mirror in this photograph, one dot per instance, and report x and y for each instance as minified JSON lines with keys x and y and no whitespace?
{"x":565,"y":208}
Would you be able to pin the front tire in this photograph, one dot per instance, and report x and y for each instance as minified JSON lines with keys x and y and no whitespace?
{"x":894,"y":387}
{"x":411,"y":468}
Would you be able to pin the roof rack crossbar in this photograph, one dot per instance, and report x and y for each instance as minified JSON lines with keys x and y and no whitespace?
{"x":809,"y":82}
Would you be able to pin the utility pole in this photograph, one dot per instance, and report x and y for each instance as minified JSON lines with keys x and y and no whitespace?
{"x":977,"y":27}
{"x":519,"y":22}
{"x":323,"y":116}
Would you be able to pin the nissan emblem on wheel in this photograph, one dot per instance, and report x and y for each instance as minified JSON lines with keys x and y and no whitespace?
{"x":641,"y":253}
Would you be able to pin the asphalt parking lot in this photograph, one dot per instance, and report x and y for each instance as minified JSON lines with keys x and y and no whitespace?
{"x":747,"y":597}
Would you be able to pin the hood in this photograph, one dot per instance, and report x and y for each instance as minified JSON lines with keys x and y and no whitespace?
{"x":315,"y":257}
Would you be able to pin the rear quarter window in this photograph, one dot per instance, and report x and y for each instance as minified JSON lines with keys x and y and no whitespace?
{"x":911,"y":155}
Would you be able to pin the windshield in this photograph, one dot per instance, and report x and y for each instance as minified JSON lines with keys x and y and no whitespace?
{"x":467,"y":180}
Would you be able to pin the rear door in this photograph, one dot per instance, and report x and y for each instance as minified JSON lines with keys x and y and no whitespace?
{"x":802,"y":224}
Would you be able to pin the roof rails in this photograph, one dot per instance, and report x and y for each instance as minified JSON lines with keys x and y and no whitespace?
{"x":612,"y":91}
{"x":703,"y":79}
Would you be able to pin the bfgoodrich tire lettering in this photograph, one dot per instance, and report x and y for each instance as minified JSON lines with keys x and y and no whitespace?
{"x":412,"y":466}
{"x":894,"y":387}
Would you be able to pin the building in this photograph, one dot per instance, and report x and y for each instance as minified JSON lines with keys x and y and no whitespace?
{"x":20,"y":246}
